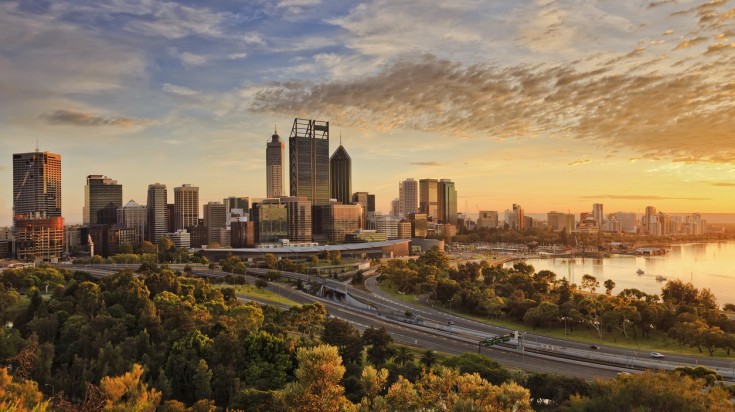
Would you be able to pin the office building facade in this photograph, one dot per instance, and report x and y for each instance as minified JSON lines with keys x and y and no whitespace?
{"x":274,"y":166}
{"x":408,"y":197}
{"x":134,"y":216}
{"x":38,"y":227}
{"x":429,"y":198}
{"x":215,"y":219}
{"x":271,"y":220}
{"x":299,"y":218}
{"x":340,"y":175}
{"x":102,"y":197}
{"x":186,"y":206}
{"x":308,"y":150}
{"x":157,"y":206}
{"x":447,"y":202}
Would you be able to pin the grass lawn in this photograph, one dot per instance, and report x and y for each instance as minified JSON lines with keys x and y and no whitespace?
{"x":657,"y":342}
{"x":251,"y":291}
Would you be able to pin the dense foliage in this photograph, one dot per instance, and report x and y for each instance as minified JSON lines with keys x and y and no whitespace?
{"x":161,"y":341}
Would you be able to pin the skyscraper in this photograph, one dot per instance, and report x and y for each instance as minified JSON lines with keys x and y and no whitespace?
{"x":37,"y":223}
{"x":271,"y":220}
{"x":597,"y":214}
{"x":102,"y":198}
{"x":133,"y":216}
{"x":274,"y":166}
{"x":156,"y":224}
{"x":447,"y":201}
{"x":215,"y":220}
{"x":340,"y":175}
{"x":186,"y":206}
{"x":308,"y":151}
{"x":408,"y":196}
{"x":429,"y":197}
{"x":36,"y":185}
{"x":299,"y":218}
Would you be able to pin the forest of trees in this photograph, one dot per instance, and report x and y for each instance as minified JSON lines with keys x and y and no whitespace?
{"x":158,"y":340}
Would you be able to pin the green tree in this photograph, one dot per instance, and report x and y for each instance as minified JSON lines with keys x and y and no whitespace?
{"x":651,"y":391}
{"x":609,"y":286}
{"x":317,"y":387}
{"x":128,"y":392}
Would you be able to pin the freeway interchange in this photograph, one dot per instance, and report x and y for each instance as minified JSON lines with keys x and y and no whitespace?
{"x":424,"y":326}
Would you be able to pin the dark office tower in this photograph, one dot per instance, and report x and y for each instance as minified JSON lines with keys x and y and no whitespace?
{"x":367,"y":201}
{"x":157,"y":196}
{"x":186,"y":206}
{"x":271,"y":221}
{"x":340,"y":175}
{"x":274,"y":167}
{"x":215,"y":219}
{"x":429,"y":197}
{"x":36,"y":185}
{"x":419,"y":226}
{"x":447,"y":196}
{"x":102,"y":198}
{"x":308,"y":151}
{"x":299,"y":218}
{"x":170,"y":212}
{"x":37,"y":223}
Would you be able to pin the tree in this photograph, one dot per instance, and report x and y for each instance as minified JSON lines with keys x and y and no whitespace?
{"x":403,"y":356}
{"x":380,"y":342}
{"x":270,"y":260}
{"x":651,"y":391}
{"x":317,"y":387}
{"x":20,"y":396}
{"x":345,"y":337}
{"x":127,"y":392}
{"x":147,"y":248}
{"x":590,"y":282}
{"x":487,"y":368}
{"x":428,"y":359}
{"x":609,"y":286}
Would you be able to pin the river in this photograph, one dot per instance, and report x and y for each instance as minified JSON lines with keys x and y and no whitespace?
{"x":706,"y":265}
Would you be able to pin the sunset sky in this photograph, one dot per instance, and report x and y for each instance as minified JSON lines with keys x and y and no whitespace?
{"x":554,"y":105}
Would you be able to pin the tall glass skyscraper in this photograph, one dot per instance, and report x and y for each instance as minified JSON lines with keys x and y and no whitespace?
{"x":102,"y":197}
{"x":308,"y":151}
{"x":340,"y":175}
{"x":157,"y":198}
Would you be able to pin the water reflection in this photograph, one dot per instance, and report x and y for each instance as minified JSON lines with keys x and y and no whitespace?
{"x":706,"y":265}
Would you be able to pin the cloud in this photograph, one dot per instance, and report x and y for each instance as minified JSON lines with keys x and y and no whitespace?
{"x":179,"y":90}
{"x":640,"y":197}
{"x":723,"y":184}
{"x":192,"y":60}
{"x":432,"y":164}
{"x":655,"y":114}
{"x":77,"y":118}
{"x":579,"y":162}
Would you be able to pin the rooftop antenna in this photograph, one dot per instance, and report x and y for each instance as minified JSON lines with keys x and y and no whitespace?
{"x":275,"y":129}
{"x":340,"y":138}
{"x":37,"y":149}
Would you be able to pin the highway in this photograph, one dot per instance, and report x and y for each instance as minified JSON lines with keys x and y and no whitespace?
{"x":535,"y":353}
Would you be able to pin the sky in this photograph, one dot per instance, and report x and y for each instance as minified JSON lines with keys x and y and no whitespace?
{"x":551,"y":104}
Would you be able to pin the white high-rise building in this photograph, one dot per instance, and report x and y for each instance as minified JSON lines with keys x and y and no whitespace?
{"x":186,"y":206}
{"x":597,"y":214}
{"x":408,"y":196}
{"x":157,"y":200}
{"x":388,"y":225}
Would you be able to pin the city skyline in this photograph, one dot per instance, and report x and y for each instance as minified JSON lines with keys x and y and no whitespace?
{"x":552,"y":105}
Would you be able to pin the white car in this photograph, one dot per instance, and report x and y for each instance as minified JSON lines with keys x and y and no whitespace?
{"x":656,"y":355}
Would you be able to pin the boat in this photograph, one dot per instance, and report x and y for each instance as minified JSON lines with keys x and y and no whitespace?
{"x":660,"y":278}
{"x":640,"y":271}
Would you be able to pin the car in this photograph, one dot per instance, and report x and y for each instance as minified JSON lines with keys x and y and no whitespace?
{"x":656,"y":355}
{"x":595,"y":347}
